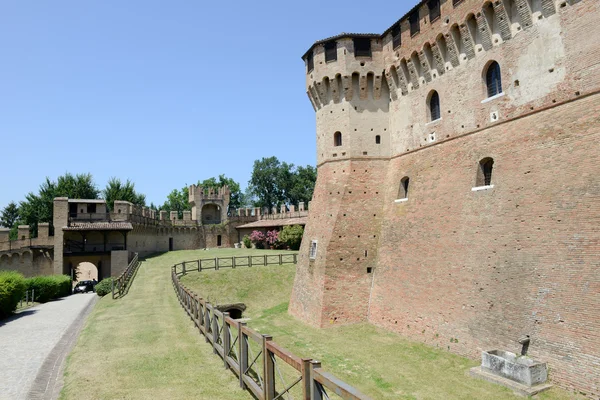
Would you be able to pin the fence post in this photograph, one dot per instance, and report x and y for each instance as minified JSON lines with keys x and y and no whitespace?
{"x":32,"y":296}
{"x":280,"y":259}
{"x":315,"y":390}
{"x":27,"y":297}
{"x":216,"y":263}
{"x":184,"y":270}
{"x":249,"y":261}
{"x":206,"y":321}
{"x":112,"y":288}
{"x":268,"y":370}
{"x":305,"y":371}
{"x":226,"y":337}
{"x":243,"y":352}
{"x":198,"y":265}
{"x":232,"y":262}
{"x":215,"y":331}
{"x":265,"y":260}
{"x":295,"y":258}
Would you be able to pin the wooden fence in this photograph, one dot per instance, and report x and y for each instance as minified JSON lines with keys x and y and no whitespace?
{"x":120,"y":285}
{"x":264,"y":368}
{"x":234,"y":262}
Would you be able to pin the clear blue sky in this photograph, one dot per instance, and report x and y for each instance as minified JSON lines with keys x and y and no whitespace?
{"x":161,"y":92}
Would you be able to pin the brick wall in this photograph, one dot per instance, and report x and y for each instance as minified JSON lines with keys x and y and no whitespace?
{"x":466,"y":270}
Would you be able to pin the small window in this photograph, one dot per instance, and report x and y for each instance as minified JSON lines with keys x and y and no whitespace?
{"x":362,"y":47}
{"x":331,"y":51}
{"x":415,"y":26}
{"x":310,"y":63}
{"x":396,"y":36}
{"x":377,"y":139}
{"x":434,"y":10}
{"x":91,"y":208}
{"x":313,"y":250}
{"x":219,"y":239}
{"x":434,"y":106}
{"x":403,"y":190}
{"x":484,"y":172}
{"x":493,"y":79}
{"x":337,"y":139}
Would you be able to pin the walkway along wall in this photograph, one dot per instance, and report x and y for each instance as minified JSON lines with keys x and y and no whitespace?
{"x":453,"y":264}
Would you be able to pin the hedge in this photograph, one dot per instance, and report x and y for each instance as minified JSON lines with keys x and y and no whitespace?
{"x":12,"y":290}
{"x":104,"y":287}
{"x":49,"y":287}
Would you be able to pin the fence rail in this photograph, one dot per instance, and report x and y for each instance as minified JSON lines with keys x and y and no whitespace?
{"x":120,"y":286}
{"x":234,"y":262}
{"x":263,"y":367}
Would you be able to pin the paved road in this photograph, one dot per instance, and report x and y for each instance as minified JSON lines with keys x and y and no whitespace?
{"x":34,"y":344}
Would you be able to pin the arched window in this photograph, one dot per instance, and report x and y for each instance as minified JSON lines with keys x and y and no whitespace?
{"x":337,"y":139}
{"x":493,"y":79}
{"x":434,"y":106}
{"x":377,"y":139}
{"x":484,"y":172}
{"x":403,"y":190}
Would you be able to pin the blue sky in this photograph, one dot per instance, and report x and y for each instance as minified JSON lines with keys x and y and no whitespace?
{"x":161,"y":92}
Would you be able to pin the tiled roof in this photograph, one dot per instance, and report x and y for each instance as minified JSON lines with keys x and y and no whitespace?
{"x":99,"y":226}
{"x":271,"y":223}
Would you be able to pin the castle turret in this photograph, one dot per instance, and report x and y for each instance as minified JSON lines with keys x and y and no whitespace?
{"x":348,"y":90}
{"x":209,"y":205}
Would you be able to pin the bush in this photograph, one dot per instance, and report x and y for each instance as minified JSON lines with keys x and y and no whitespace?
{"x":292,"y":236}
{"x":258,"y":238}
{"x":104,"y":287}
{"x":247,"y":242}
{"x":49,"y":287}
{"x":12,"y":290}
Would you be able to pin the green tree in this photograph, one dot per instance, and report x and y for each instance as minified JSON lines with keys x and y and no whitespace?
{"x":237,"y":197}
{"x":10,"y":219}
{"x":117,"y":190}
{"x":266,"y":182}
{"x":39,"y":207}
{"x":178,"y":200}
{"x":274,"y":182}
{"x":303,"y":185}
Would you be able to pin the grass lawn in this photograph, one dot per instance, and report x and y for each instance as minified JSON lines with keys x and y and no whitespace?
{"x":144,"y":346}
{"x":379,"y":363}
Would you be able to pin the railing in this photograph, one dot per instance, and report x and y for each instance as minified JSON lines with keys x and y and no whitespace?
{"x":235,"y":261}
{"x":263,"y":367}
{"x":120,"y":286}
{"x":28,"y":298}
{"x":88,"y":217}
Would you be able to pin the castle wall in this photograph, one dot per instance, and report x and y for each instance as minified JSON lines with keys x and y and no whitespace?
{"x":490,"y":266}
{"x":463,"y":269}
{"x":28,"y":262}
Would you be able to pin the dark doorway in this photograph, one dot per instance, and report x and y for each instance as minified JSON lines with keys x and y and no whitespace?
{"x":170,"y":244}
{"x":218,"y":240}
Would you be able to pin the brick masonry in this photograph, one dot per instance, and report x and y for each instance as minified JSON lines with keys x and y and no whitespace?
{"x":462,"y":269}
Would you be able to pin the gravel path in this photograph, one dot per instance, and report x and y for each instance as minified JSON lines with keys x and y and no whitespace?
{"x":34,"y":344}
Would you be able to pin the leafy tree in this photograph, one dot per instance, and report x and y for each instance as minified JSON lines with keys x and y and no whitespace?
{"x":274,"y":182}
{"x":39,"y":207}
{"x":178,"y":200}
{"x":10,"y":219}
{"x":117,"y":190}
{"x":303,"y":185}
{"x":266,"y":182}
{"x":292,"y":236}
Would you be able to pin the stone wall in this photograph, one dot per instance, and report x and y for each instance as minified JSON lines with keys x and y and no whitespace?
{"x":30,"y":263}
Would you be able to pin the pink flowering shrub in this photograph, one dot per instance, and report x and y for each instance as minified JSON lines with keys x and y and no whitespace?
{"x":258,"y":239}
{"x":272,"y":238}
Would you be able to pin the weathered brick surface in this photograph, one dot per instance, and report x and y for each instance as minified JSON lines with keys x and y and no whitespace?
{"x":466,"y":270}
